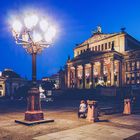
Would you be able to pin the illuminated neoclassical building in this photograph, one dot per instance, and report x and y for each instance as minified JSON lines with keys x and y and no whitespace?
{"x":104,"y":59}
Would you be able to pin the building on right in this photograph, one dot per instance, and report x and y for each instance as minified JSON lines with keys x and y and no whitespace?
{"x":107,"y":59}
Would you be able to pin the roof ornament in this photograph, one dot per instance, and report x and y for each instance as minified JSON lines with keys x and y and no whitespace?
{"x":97,"y":31}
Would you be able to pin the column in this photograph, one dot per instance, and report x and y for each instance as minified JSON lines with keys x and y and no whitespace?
{"x":83,"y":76}
{"x":101,"y":68}
{"x":68,"y":77}
{"x":91,"y":75}
{"x":123,"y":76}
{"x":112,"y":72}
{"x":120,"y":74}
{"x":75,"y":84}
{"x":34,"y":68}
{"x":135,"y":73}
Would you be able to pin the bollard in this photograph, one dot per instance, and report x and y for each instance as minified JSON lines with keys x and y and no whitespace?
{"x":92,"y":113}
{"x":127,"y":107}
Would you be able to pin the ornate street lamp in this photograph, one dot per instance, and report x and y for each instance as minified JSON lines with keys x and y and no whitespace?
{"x":33,"y":34}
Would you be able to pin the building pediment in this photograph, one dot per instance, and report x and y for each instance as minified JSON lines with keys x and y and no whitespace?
{"x":96,"y":38}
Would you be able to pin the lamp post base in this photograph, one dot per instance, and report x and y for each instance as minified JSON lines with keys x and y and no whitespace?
{"x":30,"y":123}
{"x":34,"y":112}
{"x":34,"y":116}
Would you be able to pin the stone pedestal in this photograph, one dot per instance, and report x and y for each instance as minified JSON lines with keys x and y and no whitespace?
{"x":127,"y":107}
{"x":34,"y":112}
{"x":34,"y":116}
{"x":92,"y":114}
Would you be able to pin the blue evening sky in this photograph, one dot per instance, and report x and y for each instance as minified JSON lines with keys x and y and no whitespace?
{"x":75,"y":19}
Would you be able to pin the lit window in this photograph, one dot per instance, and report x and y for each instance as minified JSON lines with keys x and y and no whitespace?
{"x":138,"y":78}
{"x":138,"y":65}
{"x":128,"y":66}
{"x":133,"y":66}
{"x":132,"y":78}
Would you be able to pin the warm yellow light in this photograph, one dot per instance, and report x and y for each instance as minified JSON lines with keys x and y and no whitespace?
{"x":17,"y":26}
{"x":44,"y":25}
{"x":37,"y":37}
{"x":25,"y":37}
{"x":30,"y":21}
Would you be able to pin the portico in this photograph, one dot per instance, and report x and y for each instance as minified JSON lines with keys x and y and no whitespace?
{"x":105,"y":71}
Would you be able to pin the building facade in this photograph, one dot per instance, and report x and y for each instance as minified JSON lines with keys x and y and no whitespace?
{"x":104,"y":59}
{"x":10,"y":82}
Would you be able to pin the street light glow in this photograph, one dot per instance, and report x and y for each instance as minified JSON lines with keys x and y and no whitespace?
{"x":30,"y":21}
{"x":48,"y":37}
{"x":50,"y":34}
{"x":37,"y":37}
{"x":44,"y":25}
{"x":17,"y":26}
{"x":52,"y":31}
{"x":34,"y":31}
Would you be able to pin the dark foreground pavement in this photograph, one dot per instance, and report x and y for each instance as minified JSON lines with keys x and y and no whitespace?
{"x":67,"y":125}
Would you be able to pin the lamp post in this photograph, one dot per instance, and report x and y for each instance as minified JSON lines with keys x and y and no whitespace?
{"x":33,"y":34}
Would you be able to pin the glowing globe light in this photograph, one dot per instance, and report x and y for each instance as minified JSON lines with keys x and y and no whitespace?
{"x":44,"y":25}
{"x":52,"y":31}
{"x":48,"y":37}
{"x":37,"y":37}
{"x":25,"y":37}
{"x":30,"y":21}
{"x":35,"y":32}
{"x":17,"y":26}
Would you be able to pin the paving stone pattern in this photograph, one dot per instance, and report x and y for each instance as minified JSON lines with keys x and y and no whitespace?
{"x":90,"y":132}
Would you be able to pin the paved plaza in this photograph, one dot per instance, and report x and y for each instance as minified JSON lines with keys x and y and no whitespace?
{"x":90,"y":132}
{"x":67,"y":126}
{"x":119,"y":127}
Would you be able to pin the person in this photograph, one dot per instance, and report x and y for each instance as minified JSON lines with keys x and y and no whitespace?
{"x":127,"y":107}
{"x":82,"y":109}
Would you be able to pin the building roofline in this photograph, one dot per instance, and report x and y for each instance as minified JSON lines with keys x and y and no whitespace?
{"x":113,"y":34}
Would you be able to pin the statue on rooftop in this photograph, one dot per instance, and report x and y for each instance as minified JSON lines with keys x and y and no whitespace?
{"x":99,"y":29}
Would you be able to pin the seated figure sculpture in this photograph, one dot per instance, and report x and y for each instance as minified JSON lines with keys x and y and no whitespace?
{"x":82,"y":110}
